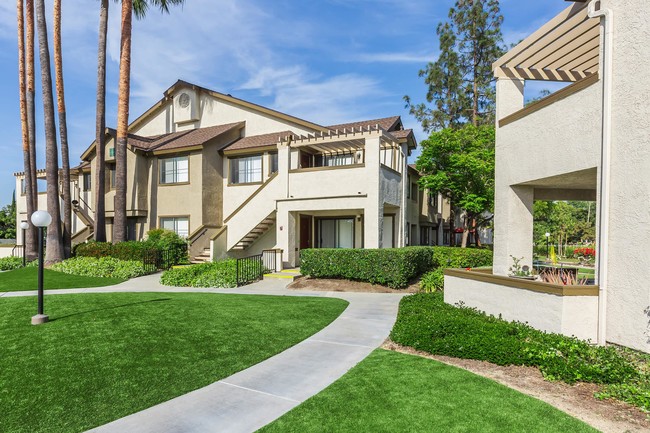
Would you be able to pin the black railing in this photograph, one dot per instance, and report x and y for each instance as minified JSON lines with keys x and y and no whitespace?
{"x":155,"y":259}
{"x":268,"y":260}
{"x":249,"y":269}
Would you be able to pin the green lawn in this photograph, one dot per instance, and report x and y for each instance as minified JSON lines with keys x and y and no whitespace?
{"x":27,"y":279}
{"x":394,"y":392}
{"x":104,"y":356}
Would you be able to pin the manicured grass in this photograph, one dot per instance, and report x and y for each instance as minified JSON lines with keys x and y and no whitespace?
{"x":27,"y":279}
{"x":394,"y":392}
{"x":104,"y":356}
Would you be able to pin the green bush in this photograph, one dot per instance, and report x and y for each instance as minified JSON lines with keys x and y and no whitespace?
{"x":151,"y":249}
{"x":10,"y":263}
{"x":104,"y":267}
{"x":426,"y":323}
{"x":453,"y":257}
{"x":217,"y":274}
{"x":392,"y":267}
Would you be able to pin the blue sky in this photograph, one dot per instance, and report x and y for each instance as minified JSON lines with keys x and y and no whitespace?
{"x":328,"y":61}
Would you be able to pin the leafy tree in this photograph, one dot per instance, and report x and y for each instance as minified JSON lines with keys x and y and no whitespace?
{"x":459,"y":163}
{"x":8,"y":221}
{"x":461,"y":80}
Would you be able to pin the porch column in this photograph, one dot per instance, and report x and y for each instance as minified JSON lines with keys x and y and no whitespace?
{"x":513,"y":227}
{"x":374,"y":208}
{"x":285,"y":227}
{"x":509,"y":97}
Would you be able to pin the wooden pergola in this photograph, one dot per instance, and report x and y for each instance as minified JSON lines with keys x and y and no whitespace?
{"x":566,"y":49}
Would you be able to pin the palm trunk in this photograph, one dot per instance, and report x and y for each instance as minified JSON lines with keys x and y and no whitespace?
{"x":31,"y":193}
{"x":119,"y":222}
{"x":54,"y":251}
{"x":63,"y":131}
{"x":465,"y":230}
{"x":452,"y":225}
{"x":100,"y":127}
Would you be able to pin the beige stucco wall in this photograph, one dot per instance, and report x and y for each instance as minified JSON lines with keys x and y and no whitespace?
{"x":568,"y":315}
{"x":628,"y":283}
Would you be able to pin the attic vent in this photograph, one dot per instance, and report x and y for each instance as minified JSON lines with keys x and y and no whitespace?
{"x":184,"y":100}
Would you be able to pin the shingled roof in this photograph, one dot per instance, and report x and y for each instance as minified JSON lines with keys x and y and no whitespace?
{"x":262,"y":140}
{"x":386,"y":123}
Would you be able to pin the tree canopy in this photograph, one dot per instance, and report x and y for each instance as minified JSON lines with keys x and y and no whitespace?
{"x":8,"y":221}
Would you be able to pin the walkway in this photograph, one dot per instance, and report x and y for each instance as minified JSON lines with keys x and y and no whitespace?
{"x":254,"y":397}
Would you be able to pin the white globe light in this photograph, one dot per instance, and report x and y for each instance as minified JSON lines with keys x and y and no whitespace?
{"x":547,"y":234}
{"x":41,"y":218}
{"x":24,"y":225}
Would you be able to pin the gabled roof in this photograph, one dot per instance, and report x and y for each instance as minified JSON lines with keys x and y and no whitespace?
{"x":255,"y":141}
{"x":183,"y":139}
{"x":386,"y":123}
{"x":567,"y":48}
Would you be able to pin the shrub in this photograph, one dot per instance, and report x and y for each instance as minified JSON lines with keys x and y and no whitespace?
{"x":217,"y":274}
{"x":426,"y":323}
{"x":453,"y":257}
{"x":392,"y":267}
{"x":105,"y":267}
{"x":10,"y":263}
{"x":151,"y":249}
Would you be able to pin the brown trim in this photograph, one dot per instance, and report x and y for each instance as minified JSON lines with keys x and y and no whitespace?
{"x":178,"y":150}
{"x":332,"y":167}
{"x":486,"y":276}
{"x":551,"y":99}
{"x":257,"y":191}
{"x":323,"y":198}
{"x":201,"y":227}
{"x":218,"y":233}
{"x":250,"y":150}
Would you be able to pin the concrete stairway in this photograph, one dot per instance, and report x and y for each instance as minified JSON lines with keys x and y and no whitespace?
{"x":204,"y":257}
{"x":286,"y":274}
{"x":255,"y":233}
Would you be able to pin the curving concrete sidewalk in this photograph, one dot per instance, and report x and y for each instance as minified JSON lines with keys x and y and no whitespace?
{"x":254,"y":397}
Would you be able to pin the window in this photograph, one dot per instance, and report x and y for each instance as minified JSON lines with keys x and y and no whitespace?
{"x":336,"y":233}
{"x":111,"y":152}
{"x":334,"y":160}
{"x":408,"y":190}
{"x":246,"y":169}
{"x":273,"y":162}
{"x":414,"y":191}
{"x":414,"y":234}
{"x":424,"y":235}
{"x":87,"y":182}
{"x":174,"y":170}
{"x":41,"y":186}
{"x":111,"y":176}
{"x":180,"y":225}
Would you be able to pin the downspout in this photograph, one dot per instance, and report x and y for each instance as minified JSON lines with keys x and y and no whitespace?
{"x":606,"y":15}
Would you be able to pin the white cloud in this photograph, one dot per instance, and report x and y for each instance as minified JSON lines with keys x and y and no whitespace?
{"x":394,"y":57}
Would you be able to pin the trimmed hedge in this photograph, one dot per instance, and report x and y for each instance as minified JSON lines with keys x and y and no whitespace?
{"x":104,"y":267}
{"x":426,"y":323}
{"x":453,"y":257}
{"x":157,"y":240}
{"x":217,"y":274}
{"x":392,"y":267}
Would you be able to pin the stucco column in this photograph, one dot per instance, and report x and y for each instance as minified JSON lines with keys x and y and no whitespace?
{"x":401,"y":231}
{"x":374,"y":209}
{"x":510,"y":96}
{"x":284,"y":164}
{"x":513,"y":227}
{"x":285,"y":227}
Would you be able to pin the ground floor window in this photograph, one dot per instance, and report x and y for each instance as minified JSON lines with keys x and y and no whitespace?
{"x":335,"y":233}
{"x":424,"y":235}
{"x":180,"y":225}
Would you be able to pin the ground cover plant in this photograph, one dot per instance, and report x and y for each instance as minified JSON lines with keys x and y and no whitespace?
{"x":27,"y":279}
{"x":216,"y":274}
{"x":426,"y":323}
{"x":395,"y":392}
{"x":104,"y":267}
{"x":10,"y":263}
{"x":104,"y":356}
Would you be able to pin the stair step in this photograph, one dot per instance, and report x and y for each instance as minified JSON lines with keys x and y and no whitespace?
{"x":282,"y":276}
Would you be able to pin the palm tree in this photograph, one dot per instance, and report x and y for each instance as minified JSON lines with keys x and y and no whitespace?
{"x":100,"y":127}
{"x":54,"y":251}
{"x":128,"y":8}
{"x":32,"y":233}
{"x":28,"y":242}
{"x":63,"y":131}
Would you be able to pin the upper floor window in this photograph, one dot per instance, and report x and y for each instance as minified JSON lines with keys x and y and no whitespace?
{"x":87,"y":182}
{"x":308,"y":160}
{"x":246,"y":169}
{"x":41,"y":186}
{"x":111,"y":175}
{"x":273,"y":159}
{"x":175,"y":170}
{"x":414,"y":191}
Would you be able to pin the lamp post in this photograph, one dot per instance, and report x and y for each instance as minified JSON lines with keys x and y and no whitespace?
{"x":548,"y":235}
{"x":40,"y":219}
{"x":24,"y":226}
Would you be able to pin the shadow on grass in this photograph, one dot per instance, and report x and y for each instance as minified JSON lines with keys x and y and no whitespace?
{"x":130,"y":304}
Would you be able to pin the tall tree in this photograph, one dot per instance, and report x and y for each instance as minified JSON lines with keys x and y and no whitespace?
{"x":63,"y":132}
{"x":459,"y":164}
{"x":128,"y":8}
{"x":54,"y":251}
{"x":100,"y":128}
{"x":29,"y":242}
{"x":461,"y":82}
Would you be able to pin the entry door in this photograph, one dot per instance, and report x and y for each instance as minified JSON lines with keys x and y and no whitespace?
{"x":305,"y":232}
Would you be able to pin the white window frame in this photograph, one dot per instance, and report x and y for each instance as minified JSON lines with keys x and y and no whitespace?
{"x":245,"y":169}
{"x":174,"y":220}
{"x":177,"y":173}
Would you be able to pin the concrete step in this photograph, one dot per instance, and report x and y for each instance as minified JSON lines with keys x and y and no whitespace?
{"x":285,"y":274}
